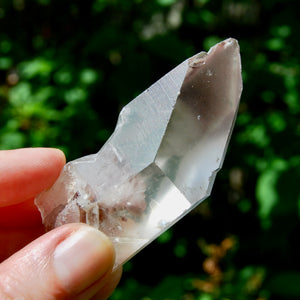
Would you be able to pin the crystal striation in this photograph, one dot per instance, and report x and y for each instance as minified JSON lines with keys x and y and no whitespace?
{"x":162,"y":158}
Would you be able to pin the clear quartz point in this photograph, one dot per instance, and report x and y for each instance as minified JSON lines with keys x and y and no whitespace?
{"x":162,"y":158}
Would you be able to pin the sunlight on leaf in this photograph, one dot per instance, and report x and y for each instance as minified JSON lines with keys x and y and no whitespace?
{"x":165,"y":2}
{"x":266,"y":192}
{"x":75,"y":95}
{"x":88,"y":76}
{"x":37,"y":66}
{"x":12,"y":140}
{"x":275,"y":44}
{"x":20,"y":94}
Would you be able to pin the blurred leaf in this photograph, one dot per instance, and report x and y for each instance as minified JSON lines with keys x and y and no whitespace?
{"x":166,"y":2}
{"x":207,"y":16}
{"x":37,"y":66}
{"x":292,"y":100}
{"x":275,"y":44}
{"x":5,"y":63}
{"x":88,"y":76}
{"x":20,"y":94}
{"x":165,"y":237}
{"x":210,"y":41}
{"x":205,"y":297}
{"x":282,"y":31}
{"x":255,"y":133}
{"x":75,"y":95}
{"x":266,"y":192}
{"x":11,"y":140}
{"x":168,"y":289}
{"x":180,"y":249}
{"x":5,"y":46}
{"x":277,"y":121}
{"x":63,"y":76}
{"x":202,"y":2}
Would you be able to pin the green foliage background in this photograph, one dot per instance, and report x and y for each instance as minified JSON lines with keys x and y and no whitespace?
{"x":66,"y":69}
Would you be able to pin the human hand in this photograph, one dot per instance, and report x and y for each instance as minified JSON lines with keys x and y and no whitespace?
{"x":73,"y":261}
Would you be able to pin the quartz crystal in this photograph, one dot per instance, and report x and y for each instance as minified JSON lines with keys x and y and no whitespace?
{"x":162,"y":158}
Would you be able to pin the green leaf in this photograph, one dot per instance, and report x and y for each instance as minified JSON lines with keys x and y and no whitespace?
{"x":266,"y":193}
{"x":281,"y":31}
{"x":63,"y":76}
{"x":276,"y":121}
{"x":292,"y":100}
{"x":5,"y":46}
{"x":168,"y":289}
{"x":88,"y":76}
{"x":275,"y":44}
{"x":75,"y":95}
{"x":256,"y":134}
{"x":205,"y":297}
{"x":210,"y":41}
{"x":20,"y":94}
{"x":165,"y":2}
{"x":12,"y":140}
{"x":5,"y":63}
{"x":37,"y":66}
{"x":165,"y":237}
{"x":180,"y":249}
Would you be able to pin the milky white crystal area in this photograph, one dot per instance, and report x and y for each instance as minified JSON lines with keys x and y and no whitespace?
{"x":162,"y":158}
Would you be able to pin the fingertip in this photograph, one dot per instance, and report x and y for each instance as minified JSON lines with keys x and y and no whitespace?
{"x":82,"y":258}
{"x":65,"y":261}
{"x":51,"y":160}
{"x":24,"y":173}
{"x":59,"y":155}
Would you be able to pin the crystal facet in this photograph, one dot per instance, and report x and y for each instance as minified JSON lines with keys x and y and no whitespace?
{"x":162,"y":158}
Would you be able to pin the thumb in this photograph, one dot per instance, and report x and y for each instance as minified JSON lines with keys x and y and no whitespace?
{"x":73,"y":261}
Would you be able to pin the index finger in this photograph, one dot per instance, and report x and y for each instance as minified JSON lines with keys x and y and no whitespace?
{"x":26,"y":172}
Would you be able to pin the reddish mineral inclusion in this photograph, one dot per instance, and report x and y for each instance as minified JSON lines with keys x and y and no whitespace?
{"x":161,"y":160}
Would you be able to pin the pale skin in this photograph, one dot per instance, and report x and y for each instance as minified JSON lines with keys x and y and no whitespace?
{"x":73,"y":261}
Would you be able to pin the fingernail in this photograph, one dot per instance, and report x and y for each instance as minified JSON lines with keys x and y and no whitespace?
{"x":83,"y":258}
{"x":60,"y":153}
